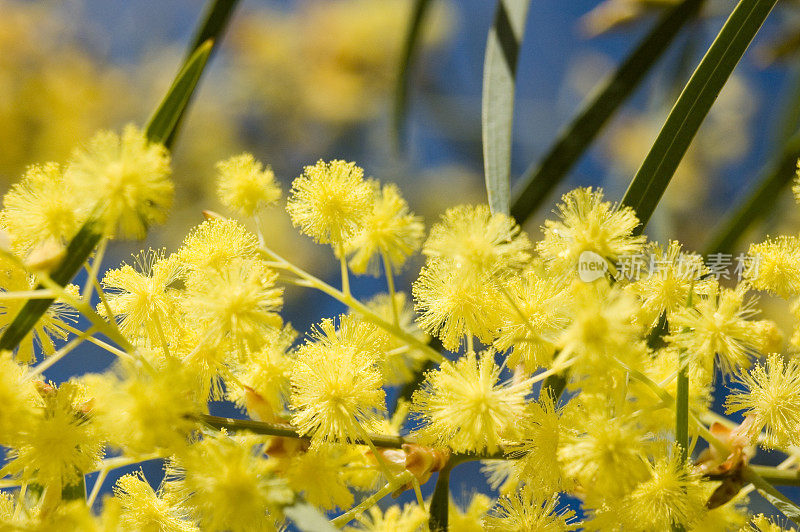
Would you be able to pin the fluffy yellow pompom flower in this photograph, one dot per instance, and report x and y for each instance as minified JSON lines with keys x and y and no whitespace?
{"x":330,"y":202}
{"x":587,"y":223}
{"x":239,"y":303}
{"x":537,"y":462}
{"x":471,"y":517}
{"x":262,"y":379}
{"x":336,"y":384}
{"x":717,"y":326}
{"x":773,"y":266}
{"x":229,"y":484}
{"x":243,"y":184}
{"x":475,"y":238}
{"x":530,"y":509}
{"x":665,"y":283}
{"x":455,"y":302}
{"x":409,"y":518}
{"x":213,"y":244}
{"x":320,"y":474}
{"x":603,"y":322}
{"x":40,"y":207}
{"x":533,"y":320}
{"x":60,"y":444}
{"x":17,"y":395}
{"x":463,"y":405}
{"x":771,"y":401}
{"x":143,"y":299}
{"x":144,"y":510}
{"x":124,"y":406}
{"x":604,"y":447}
{"x":126,"y":177}
{"x":672,"y":497}
{"x":391,"y":231}
{"x":761,"y":523}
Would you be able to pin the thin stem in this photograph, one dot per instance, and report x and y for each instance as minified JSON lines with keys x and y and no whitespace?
{"x":387,"y":268}
{"x":752,"y":476}
{"x":775,"y":476}
{"x":96,"y":341}
{"x":103,"y":326}
{"x":682,"y":409}
{"x":20,"y":499}
{"x":470,"y":344}
{"x":161,"y":336}
{"x":94,"y":269}
{"x":102,"y":295}
{"x":289,"y":431}
{"x":101,"y":477}
{"x":28,"y":294}
{"x":61,"y":353}
{"x":669,"y":401}
{"x":347,"y":299}
{"x":372,"y":500}
{"x":345,"y":275}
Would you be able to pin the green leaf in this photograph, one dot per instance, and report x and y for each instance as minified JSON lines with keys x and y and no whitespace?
{"x":541,"y":178}
{"x":308,"y":519}
{"x":440,"y":501}
{"x":169,"y":112}
{"x":497,"y":113}
{"x":78,"y":250}
{"x":690,"y":110}
{"x":215,"y":21}
{"x":775,"y":178}
{"x":775,"y":497}
{"x":787,"y":507}
{"x":419,"y":12}
{"x":160,"y":128}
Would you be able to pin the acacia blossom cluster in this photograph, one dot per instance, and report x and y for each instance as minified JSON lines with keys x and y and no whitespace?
{"x":203,"y":323}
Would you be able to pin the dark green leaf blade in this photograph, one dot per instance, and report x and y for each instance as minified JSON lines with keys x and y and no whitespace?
{"x":160,"y":128}
{"x":497,"y":110}
{"x":169,"y":112}
{"x":215,"y":21}
{"x":411,"y":43}
{"x":78,"y":250}
{"x":775,"y":178}
{"x":542,"y":177}
{"x":775,"y":497}
{"x":690,"y":110}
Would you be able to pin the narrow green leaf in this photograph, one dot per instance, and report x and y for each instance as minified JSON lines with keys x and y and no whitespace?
{"x":440,"y":501}
{"x":419,"y":12}
{"x":308,"y":519}
{"x":174,"y":104}
{"x":78,"y":250}
{"x":787,"y":507}
{"x":541,"y":178}
{"x":690,"y":110}
{"x":775,"y":497}
{"x":160,"y":128}
{"x":215,"y":21}
{"x":497,"y":112}
{"x":682,"y":408}
{"x":775,"y":178}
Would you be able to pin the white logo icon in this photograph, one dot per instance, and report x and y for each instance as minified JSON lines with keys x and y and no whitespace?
{"x":591,"y":266}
